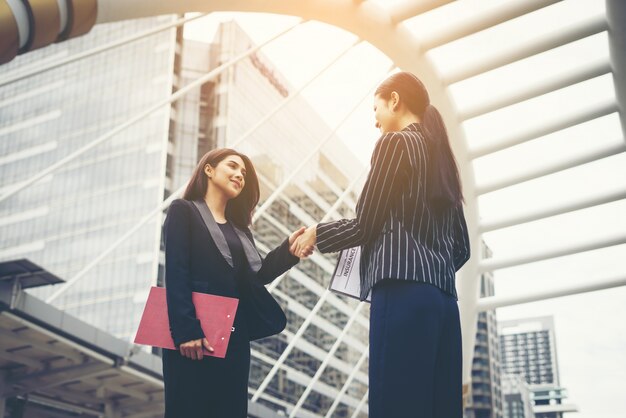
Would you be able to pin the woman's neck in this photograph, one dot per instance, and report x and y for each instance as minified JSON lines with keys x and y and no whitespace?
{"x":408,"y":119}
{"x":216,"y":202}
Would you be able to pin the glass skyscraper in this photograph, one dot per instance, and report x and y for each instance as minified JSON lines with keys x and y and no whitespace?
{"x":516,"y":397}
{"x":70,"y":217}
{"x":528,"y":349}
{"x":485,"y":397}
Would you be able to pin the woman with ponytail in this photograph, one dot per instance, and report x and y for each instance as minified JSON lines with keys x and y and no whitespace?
{"x":413,"y":237}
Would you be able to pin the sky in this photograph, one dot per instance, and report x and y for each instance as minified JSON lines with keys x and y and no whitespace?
{"x":590,"y":331}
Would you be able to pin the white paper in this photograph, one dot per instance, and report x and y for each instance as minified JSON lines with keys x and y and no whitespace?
{"x":346,"y":279}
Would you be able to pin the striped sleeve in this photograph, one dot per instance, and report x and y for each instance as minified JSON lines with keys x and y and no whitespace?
{"x":382,"y":185}
{"x":461,"y":240}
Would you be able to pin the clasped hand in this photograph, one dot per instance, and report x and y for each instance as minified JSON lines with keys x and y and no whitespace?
{"x":193,"y":349}
{"x":302,"y":242}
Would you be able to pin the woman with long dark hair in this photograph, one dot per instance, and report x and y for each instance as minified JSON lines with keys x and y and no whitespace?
{"x":209,"y":249}
{"x":413,"y":237}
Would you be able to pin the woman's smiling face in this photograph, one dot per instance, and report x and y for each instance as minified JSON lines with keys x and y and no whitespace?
{"x":386,"y":119}
{"x":229,"y":176}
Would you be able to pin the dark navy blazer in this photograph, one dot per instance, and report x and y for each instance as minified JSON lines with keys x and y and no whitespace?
{"x":195,"y":263}
{"x":400,"y":234}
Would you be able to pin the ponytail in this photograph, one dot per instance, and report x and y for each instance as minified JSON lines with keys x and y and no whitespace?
{"x":444,"y":183}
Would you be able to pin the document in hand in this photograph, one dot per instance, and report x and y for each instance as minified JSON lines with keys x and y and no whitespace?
{"x":346,"y":279}
{"x":216,"y":315}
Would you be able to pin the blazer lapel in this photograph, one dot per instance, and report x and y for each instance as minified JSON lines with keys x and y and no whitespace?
{"x":254,"y":259}
{"x":214,"y":231}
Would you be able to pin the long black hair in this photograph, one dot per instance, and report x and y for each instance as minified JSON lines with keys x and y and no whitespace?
{"x":443,"y":183}
{"x":238,"y":210}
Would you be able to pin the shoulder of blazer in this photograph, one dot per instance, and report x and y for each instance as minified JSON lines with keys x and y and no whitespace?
{"x":179,"y":202}
{"x":394,"y":148}
{"x":399,"y":140}
{"x":414,"y":143}
{"x":190,"y":209}
{"x":407,"y":136}
{"x":177,"y":209}
{"x":186,"y":209}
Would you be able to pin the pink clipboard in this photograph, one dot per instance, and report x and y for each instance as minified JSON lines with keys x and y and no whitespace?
{"x":216,"y":315}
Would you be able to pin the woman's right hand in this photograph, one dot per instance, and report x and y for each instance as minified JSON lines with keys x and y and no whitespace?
{"x":294,"y":238}
{"x":193,"y":349}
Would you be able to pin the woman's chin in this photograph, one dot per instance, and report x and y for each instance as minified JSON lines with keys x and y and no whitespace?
{"x":233,"y":193}
{"x":383,"y":129}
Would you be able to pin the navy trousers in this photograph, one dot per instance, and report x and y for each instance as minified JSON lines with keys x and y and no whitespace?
{"x":415,"y":352}
{"x":208,"y":388}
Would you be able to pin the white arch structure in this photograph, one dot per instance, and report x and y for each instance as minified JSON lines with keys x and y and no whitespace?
{"x":25,"y":26}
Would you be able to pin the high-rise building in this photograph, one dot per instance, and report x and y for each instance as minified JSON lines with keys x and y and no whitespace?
{"x":528,"y":349}
{"x":517,"y":397}
{"x":73,"y":215}
{"x":484,"y":399}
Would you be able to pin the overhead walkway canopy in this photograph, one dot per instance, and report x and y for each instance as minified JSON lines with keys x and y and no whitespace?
{"x":55,"y":365}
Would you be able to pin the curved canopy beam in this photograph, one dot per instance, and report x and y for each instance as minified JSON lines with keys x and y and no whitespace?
{"x":616,"y":16}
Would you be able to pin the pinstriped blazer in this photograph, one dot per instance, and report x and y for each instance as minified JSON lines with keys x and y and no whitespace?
{"x":400,"y":235}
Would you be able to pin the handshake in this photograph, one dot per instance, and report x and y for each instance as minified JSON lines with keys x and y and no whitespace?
{"x":302,"y":241}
